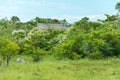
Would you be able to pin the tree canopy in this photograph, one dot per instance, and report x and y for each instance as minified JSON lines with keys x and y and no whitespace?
{"x":84,"y":38}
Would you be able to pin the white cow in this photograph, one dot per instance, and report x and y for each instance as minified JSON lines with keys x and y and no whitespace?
{"x":20,"y":60}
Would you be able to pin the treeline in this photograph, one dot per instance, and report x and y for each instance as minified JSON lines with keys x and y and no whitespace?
{"x":84,"y":38}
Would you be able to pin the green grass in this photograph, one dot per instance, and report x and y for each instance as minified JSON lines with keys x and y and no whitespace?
{"x":84,"y":69}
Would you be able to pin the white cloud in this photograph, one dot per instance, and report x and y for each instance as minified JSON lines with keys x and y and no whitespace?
{"x":34,"y":2}
{"x":6,"y":11}
{"x":71,"y":18}
{"x":24,"y":9}
{"x":95,"y":17}
{"x":5,"y":8}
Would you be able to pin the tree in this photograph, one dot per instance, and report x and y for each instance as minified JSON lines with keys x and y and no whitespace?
{"x":85,"y":18}
{"x":18,"y":35}
{"x":64,"y":22}
{"x":14,"y":19}
{"x":8,"y":49}
{"x":117,"y":7}
{"x":37,"y":38}
{"x":110,"y":17}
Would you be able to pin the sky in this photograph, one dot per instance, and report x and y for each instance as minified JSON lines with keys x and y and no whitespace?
{"x":71,"y":10}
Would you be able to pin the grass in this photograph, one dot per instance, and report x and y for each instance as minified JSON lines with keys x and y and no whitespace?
{"x":84,"y":69}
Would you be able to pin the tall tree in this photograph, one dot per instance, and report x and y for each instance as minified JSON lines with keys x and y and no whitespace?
{"x":14,"y":19}
{"x":117,"y":7}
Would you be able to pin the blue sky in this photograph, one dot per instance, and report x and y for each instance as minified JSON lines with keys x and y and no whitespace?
{"x":71,"y":10}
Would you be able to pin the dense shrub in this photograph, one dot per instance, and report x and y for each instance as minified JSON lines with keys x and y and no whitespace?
{"x":64,"y":50}
{"x":95,"y":55}
{"x":97,"y":41}
{"x":38,"y":54}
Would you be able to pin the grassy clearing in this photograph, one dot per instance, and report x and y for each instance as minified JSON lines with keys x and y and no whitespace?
{"x":83,"y":69}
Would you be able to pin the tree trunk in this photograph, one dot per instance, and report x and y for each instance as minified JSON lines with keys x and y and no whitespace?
{"x":7,"y":60}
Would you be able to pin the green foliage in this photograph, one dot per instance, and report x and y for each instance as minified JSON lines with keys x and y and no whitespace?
{"x":35,"y":53}
{"x":27,"y":49}
{"x":14,"y":19}
{"x":117,"y":6}
{"x":64,"y":50}
{"x":47,"y":20}
{"x":37,"y":38}
{"x":18,"y":35}
{"x":111,"y":17}
{"x":95,"y":55}
{"x":38,"y":54}
{"x":83,"y":39}
{"x":8,"y":49}
{"x":55,"y":41}
{"x":90,"y":39}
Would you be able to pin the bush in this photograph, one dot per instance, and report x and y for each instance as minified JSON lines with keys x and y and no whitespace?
{"x":38,"y":54}
{"x":95,"y":55}
{"x":75,"y":56}
{"x":65,"y":50}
